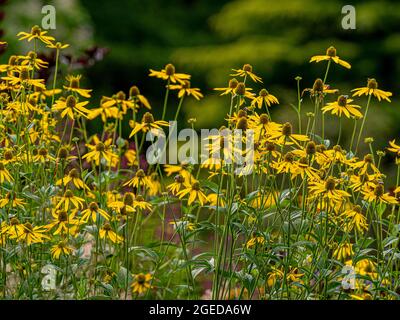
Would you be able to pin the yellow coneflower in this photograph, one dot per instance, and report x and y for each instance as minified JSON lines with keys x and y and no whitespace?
{"x":74,"y":86}
{"x":107,"y":232}
{"x":343,"y":106}
{"x":377,"y":194}
{"x":137,"y":98}
{"x":177,"y":185}
{"x":141,"y":203}
{"x":230,"y":89}
{"x":141,"y":283}
{"x":139,"y":180}
{"x":61,"y":248}
{"x":63,"y":222}
{"x":331,"y":56}
{"x":24,"y":79}
{"x":264,"y":97}
{"x":354,"y":218}
{"x":73,"y":178}
{"x":147,"y":123}
{"x":185,"y":89}
{"x":255,"y":241}
{"x":99,"y":151}
{"x":320,"y":89}
{"x":32,"y":60}
{"x":36,"y":33}
{"x":364,"y":165}
{"x":343,"y":251}
{"x":247,"y":70}
{"x":119,"y":99}
{"x":58,"y":45}
{"x":31,"y":234}
{"x":285,"y":136}
{"x":12,"y":200}
{"x":4,"y":173}
{"x":43,"y":156}
{"x":327,"y":189}
{"x":195,"y":193}
{"x":168,"y":73}
{"x":91,"y":213}
{"x":68,"y":199}
{"x":394,"y":148}
{"x":372,"y":89}
{"x":71,"y":107}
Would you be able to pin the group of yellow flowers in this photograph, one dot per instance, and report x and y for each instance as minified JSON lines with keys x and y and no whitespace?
{"x":115,"y":226}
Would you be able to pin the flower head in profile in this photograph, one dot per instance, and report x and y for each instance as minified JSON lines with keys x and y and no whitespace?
{"x":107,"y":232}
{"x":74,"y":86}
{"x":195,"y":192}
{"x":343,"y":106}
{"x":92,"y":212}
{"x":372,"y":89}
{"x":31,"y":234}
{"x":24,"y":79}
{"x":141,"y":283}
{"x":36,"y":33}
{"x":61,"y":249}
{"x":99,"y":151}
{"x":168,"y":73}
{"x":378,"y":194}
{"x":393,"y":147}
{"x":230,"y":89}
{"x":185,"y":90}
{"x":71,"y":107}
{"x":331,"y":56}
{"x":147,"y":123}
{"x":4,"y":173}
{"x":343,"y":251}
{"x":247,"y":70}
{"x":138,"y":99}
{"x":264,"y":97}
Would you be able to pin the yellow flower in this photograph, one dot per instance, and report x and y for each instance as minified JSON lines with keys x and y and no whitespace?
{"x":61,"y":248}
{"x":58,"y":45}
{"x":285,"y":136}
{"x":31,"y":234}
{"x":43,"y":156}
{"x":147,"y":124}
{"x":195,"y":193}
{"x":4,"y":173}
{"x":266,"y":97}
{"x":378,"y":194}
{"x":331,"y":56}
{"x":72,"y":178}
{"x":327,"y":189}
{"x":99,"y":151}
{"x":71,"y":107}
{"x":119,"y":99}
{"x":177,"y":185}
{"x":64,"y":223}
{"x":247,"y":70}
{"x":140,"y":203}
{"x":24,"y":79}
{"x":32,"y":61}
{"x":354,"y":218}
{"x":394,"y":148}
{"x":107,"y":232}
{"x":343,"y":251}
{"x":140,"y":180}
{"x":12,"y":200}
{"x":69,"y":199}
{"x":230,"y":89}
{"x":168,"y":73}
{"x":141,"y":283}
{"x":91,"y":213}
{"x":74,"y":86}
{"x":184,"y":89}
{"x":36,"y":33}
{"x":342,"y":106}
{"x":372,"y":89}
{"x":255,"y":241}
{"x":137,"y":98}
{"x":365,"y":164}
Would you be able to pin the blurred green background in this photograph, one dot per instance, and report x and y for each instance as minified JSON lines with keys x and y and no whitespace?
{"x":208,"y":38}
